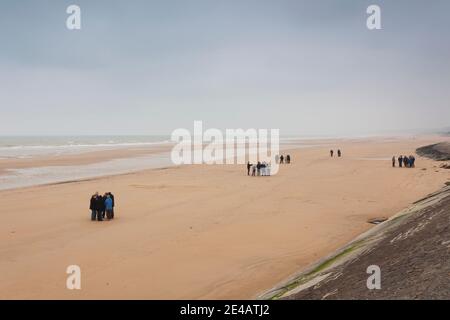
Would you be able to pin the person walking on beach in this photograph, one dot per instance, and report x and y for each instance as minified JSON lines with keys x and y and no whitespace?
{"x":249,"y":165}
{"x":400,"y":161}
{"x":339,"y":153}
{"x":93,"y":206}
{"x":281,"y":159}
{"x":258,"y":168}
{"x":253,"y":170}
{"x":331,"y":153}
{"x":288,"y":159}
{"x":393,"y":162}
{"x":109,"y":207}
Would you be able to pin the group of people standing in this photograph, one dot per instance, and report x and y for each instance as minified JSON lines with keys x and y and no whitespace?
{"x":102,"y":206}
{"x":259,"y":169}
{"x":263,"y":168}
{"x":404,"y":161}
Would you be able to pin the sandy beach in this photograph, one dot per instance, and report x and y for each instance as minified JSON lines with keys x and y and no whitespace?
{"x":203,"y":231}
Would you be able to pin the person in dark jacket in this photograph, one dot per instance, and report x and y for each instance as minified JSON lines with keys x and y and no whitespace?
{"x":113,"y":204}
{"x":400,"y":161}
{"x":393,"y":162}
{"x":281,"y":159}
{"x":413,"y":162}
{"x":406,"y":161}
{"x":331,"y":153}
{"x":288,"y":159}
{"x":93,"y":206}
{"x":104,"y":206}
{"x":249,"y":165}
{"x":100,"y":206}
{"x":339,"y":153}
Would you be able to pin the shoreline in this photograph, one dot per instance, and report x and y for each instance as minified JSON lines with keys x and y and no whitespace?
{"x":160,"y":154}
{"x":10,"y":167}
{"x":87,"y":179}
{"x":80,"y":167}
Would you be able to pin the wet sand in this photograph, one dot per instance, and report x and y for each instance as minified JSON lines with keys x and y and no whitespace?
{"x":79,"y":159}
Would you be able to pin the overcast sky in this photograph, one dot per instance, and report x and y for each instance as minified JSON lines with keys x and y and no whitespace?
{"x":149,"y":67}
